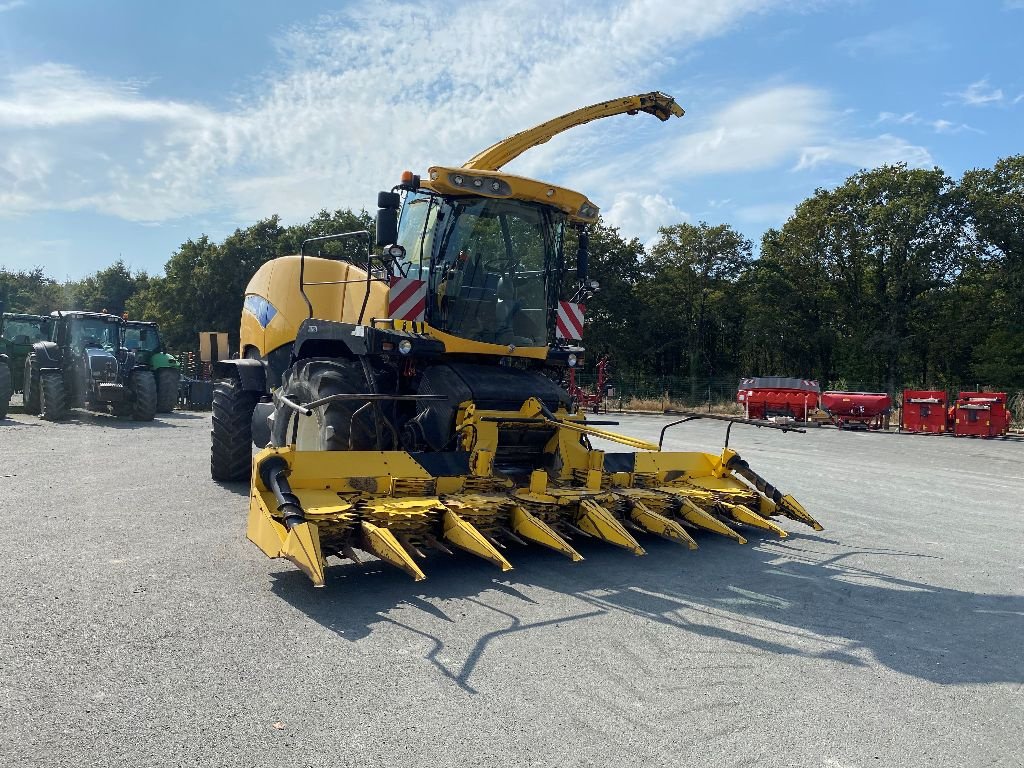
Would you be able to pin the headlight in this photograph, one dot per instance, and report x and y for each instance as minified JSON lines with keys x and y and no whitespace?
{"x":571,"y":360}
{"x":405,"y":346}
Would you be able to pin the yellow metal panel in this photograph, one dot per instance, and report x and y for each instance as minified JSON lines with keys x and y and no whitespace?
{"x":278,"y":282}
{"x":457,"y":344}
{"x":692,"y":462}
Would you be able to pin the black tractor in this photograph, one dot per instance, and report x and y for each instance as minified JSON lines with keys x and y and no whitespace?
{"x":86,"y":365}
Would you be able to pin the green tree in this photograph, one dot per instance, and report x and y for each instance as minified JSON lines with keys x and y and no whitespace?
{"x":690,"y":290}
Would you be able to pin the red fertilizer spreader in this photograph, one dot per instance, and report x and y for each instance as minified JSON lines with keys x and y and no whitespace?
{"x":857,"y":410}
{"x":766,"y":397}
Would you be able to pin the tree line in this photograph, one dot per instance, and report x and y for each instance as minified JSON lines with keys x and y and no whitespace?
{"x":898,"y":277}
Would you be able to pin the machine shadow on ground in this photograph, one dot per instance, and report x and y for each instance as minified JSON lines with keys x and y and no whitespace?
{"x":781,"y":590}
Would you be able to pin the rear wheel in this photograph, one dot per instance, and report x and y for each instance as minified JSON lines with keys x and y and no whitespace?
{"x":31,"y":384}
{"x":338,"y":426}
{"x":167,"y":389}
{"x":231,"y":435}
{"x":142,"y":389}
{"x":5,"y":388}
{"x":52,"y":403}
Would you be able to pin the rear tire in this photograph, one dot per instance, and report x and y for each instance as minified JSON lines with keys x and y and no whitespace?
{"x":53,"y":405}
{"x":5,"y":388}
{"x":31,"y":384}
{"x":142,"y":389}
{"x":231,"y":435}
{"x":167,"y":389}
{"x":333,"y":427}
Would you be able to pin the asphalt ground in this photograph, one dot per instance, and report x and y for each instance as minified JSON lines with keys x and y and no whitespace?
{"x":141,"y":628}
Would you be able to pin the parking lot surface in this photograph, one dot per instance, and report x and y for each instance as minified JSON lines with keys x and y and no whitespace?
{"x":141,"y":628}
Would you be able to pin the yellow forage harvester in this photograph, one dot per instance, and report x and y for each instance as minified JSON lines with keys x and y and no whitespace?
{"x":405,"y":398}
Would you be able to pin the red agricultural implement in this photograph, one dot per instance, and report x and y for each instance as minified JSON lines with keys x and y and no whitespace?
{"x":981,"y":414}
{"x":769,"y":397}
{"x":857,"y":410}
{"x":586,"y":400}
{"x":924,"y":411}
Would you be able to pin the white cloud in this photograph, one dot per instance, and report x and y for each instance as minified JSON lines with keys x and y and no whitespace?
{"x":912,"y":118}
{"x":633,"y":212}
{"x":11,"y":5}
{"x":358,"y":97}
{"x":979,"y":94}
{"x":904,"y":40}
{"x":864,"y":153}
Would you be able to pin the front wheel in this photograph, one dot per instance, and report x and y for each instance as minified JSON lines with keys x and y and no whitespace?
{"x":5,"y":388}
{"x":342,"y":425}
{"x":231,"y":435}
{"x":31,"y":385}
{"x":167,"y":389}
{"x":142,"y":388}
{"x":52,"y":403}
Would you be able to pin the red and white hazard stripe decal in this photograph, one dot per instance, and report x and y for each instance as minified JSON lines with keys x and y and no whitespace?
{"x":407,"y":299}
{"x":569,"y":324}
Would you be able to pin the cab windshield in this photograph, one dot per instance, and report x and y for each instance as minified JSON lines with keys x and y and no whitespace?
{"x":24,"y":331}
{"x":142,"y":338}
{"x":90,"y":332}
{"x":492,"y":266}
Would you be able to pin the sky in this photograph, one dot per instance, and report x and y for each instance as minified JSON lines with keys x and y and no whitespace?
{"x":127,"y":128}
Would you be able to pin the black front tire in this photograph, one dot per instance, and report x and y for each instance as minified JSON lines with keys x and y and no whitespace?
{"x":31,"y":384}
{"x":337,"y":426}
{"x":52,"y":403}
{"x":5,"y":388}
{"x":231,"y":435}
{"x":142,"y":388}
{"x":167,"y":380}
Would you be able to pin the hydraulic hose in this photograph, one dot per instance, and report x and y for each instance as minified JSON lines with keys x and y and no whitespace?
{"x":274,"y":474}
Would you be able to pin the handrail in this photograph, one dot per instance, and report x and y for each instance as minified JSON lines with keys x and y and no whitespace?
{"x":691,"y":415}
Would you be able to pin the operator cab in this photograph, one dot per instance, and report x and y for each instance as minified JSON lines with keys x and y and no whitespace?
{"x":142,"y":337}
{"x":492,"y":267}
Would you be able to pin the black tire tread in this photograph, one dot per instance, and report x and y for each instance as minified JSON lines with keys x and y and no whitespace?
{"x":52,"y":403}
{"x":5,"y":389}
{"x":31,"y":384}
{"x":167,"y":389}
{"x":313,"y":379}
{"x":142,"y":387}
{"x":231,"y":433}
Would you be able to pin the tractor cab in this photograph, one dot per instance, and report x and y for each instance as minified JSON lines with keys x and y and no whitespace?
{"x":142,"y":338}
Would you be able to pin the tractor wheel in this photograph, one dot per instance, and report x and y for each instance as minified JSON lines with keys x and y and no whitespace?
{"x":52,"y":404}
{"x":142,"y":388}
{"x":167,"y":389}
{"x":5,"y":388}
{"x":231,"y":436}
{"x":31,"y":385}
{"x":335,"y":426}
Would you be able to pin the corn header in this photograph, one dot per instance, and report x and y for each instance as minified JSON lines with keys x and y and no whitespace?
{"x":407,"y":398}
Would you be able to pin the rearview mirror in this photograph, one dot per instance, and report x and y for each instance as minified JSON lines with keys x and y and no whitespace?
{"x":387,"y":217}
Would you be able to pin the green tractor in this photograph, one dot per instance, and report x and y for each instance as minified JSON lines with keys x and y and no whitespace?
{"x":87,"y":365}
{"x":143,"y":338}
{"x":18,"y":332}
